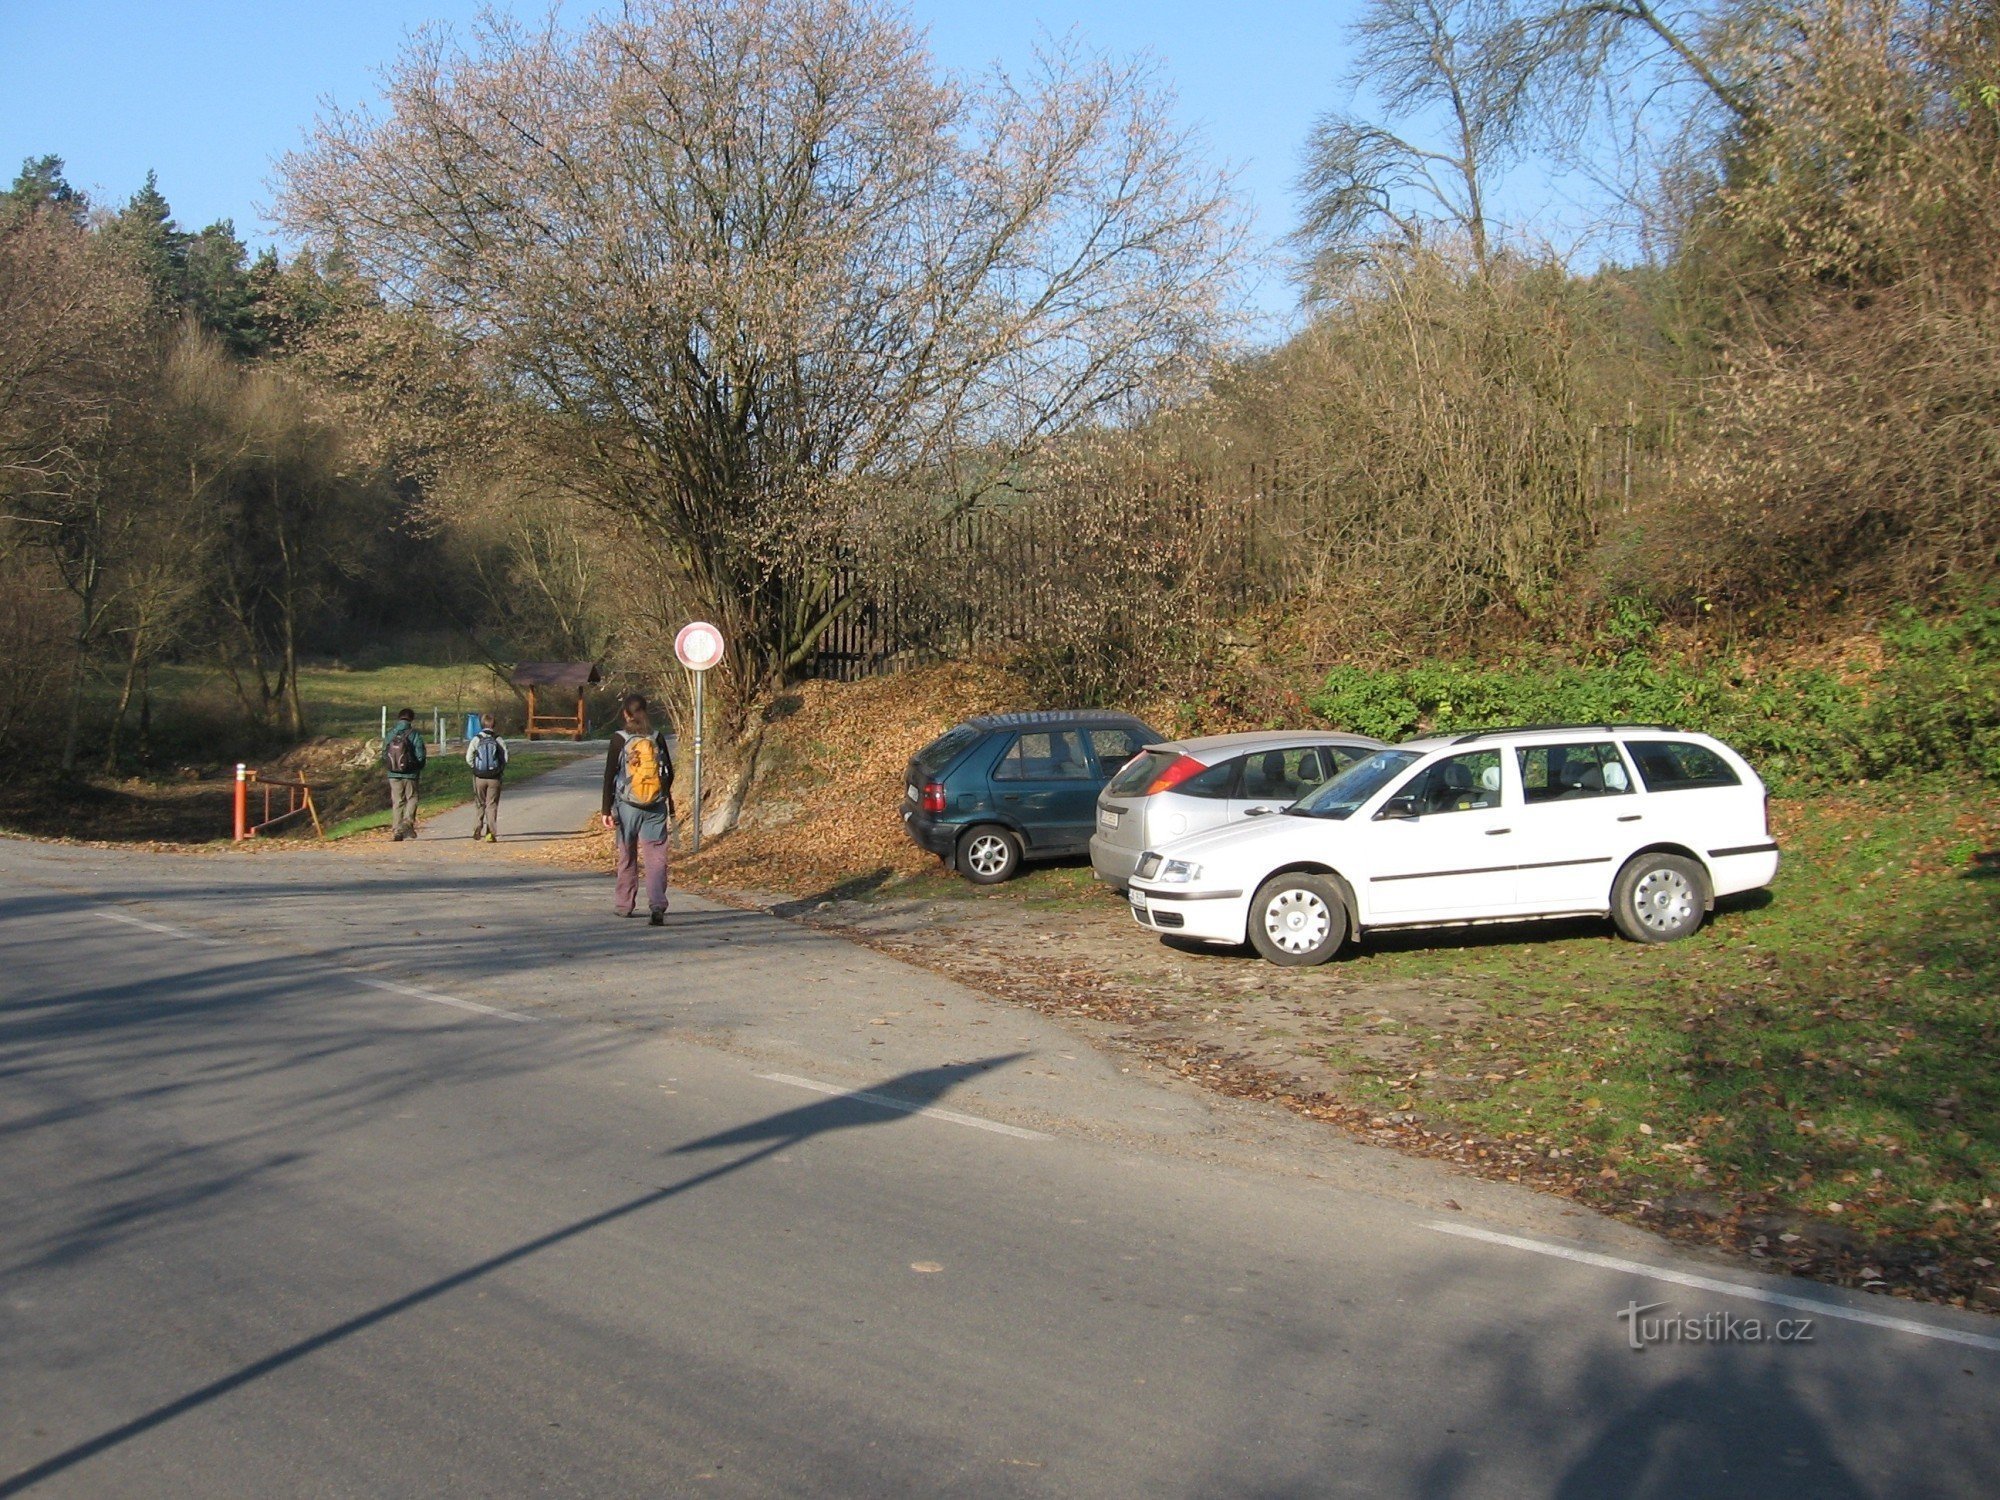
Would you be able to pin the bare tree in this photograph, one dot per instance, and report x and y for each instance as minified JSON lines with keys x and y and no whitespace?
{"x":750,"y":264}
{"x":186,"y":454}
{"x":75,"y":347}
{"x":1462,"y":59}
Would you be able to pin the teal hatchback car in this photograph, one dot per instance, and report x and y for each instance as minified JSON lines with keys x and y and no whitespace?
{"x":995,"y":791}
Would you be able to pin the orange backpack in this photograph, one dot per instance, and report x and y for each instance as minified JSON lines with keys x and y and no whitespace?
{"x":642,"y":780}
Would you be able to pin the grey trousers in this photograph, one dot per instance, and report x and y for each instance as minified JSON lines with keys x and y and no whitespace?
{"x":486,"y":794}
{"x":403,"y":804}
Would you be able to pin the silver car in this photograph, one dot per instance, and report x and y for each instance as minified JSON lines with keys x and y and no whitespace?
{"x":1168,"y":791}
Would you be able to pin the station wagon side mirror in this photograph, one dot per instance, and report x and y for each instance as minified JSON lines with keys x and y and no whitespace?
{"x":1403,"y":808}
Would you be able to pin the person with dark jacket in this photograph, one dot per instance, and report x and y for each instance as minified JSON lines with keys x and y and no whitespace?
{"x":638,"y":805}
{"x":403,"y":755}
{"x":486,"y":753}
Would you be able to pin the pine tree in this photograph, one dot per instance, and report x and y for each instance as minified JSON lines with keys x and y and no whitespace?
{"x":41,"y":185}
{"x":144,"y":230}
{"x":217,"y":289}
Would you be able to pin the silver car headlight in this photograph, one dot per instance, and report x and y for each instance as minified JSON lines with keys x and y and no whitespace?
{"x":1179,"y":872}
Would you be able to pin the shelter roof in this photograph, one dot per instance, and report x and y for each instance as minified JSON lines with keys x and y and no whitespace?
{"x":561,"y":674}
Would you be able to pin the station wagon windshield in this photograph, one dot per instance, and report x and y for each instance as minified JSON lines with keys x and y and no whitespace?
{"x":1354,"y":786}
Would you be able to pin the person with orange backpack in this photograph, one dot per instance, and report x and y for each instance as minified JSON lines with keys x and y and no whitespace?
{"x":638,"y":806}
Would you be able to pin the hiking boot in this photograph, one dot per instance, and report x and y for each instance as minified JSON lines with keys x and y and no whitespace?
{"x":397,"y":839}
{"x":492,"y":838}
{"x":659,"y":917}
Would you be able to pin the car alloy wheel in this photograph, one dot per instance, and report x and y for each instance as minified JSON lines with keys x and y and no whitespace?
{"x":989,"y":855}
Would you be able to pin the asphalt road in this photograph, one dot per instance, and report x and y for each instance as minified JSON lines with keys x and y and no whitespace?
{"x":409,"y":1170}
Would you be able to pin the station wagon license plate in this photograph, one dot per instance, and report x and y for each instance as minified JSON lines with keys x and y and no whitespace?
{"x":1106,"y":818}
{"x":911,"y":793}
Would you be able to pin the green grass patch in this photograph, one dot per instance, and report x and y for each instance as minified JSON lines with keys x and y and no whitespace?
{"x":1835,"y":1051}
{"x":349,"y":702}
{"x":447,"y":784}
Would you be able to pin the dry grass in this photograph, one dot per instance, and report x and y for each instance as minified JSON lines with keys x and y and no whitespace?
{"x":830,"y":781}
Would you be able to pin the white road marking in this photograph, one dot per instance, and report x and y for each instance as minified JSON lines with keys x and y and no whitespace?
{"x":888,"y":1102}
{"x":433,"y":996}
{"x":1726,"y":1288}
{"x":161,"y":927}
{"x":359,"y":978}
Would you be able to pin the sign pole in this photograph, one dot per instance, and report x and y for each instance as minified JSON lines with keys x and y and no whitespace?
{"x":698,"y":647}
{"x":694,"y":829}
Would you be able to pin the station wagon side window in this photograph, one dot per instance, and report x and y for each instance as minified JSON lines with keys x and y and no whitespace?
{"x":1676,"y":765}
{"x":1113,"y":747}
{"x":1570,"y":773}
{"x":1458,"y":783}
{"x":1044,"y":755}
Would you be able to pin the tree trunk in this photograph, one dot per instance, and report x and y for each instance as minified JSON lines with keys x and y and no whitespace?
{"x":132,"y":660}
{"x":73,"y":713}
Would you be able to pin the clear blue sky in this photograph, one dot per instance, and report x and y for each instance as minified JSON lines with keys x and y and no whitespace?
{"x":209,"y":92}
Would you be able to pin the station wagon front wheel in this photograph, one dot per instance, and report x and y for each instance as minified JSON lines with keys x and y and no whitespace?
{"x":1297,"y":919}
{"x":1658,"y":898}
{"x":989,"y":854}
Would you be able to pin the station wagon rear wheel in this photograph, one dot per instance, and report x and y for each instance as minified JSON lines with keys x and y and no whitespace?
{"x":989,"y":854}
{"x":1658,"y":898}
{"x":1297,"y":919}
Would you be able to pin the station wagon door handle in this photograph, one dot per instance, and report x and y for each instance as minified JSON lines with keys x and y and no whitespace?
{"x":1010,"y":796}
{"x":1630,"y":817}
{"x":1494,"y":833}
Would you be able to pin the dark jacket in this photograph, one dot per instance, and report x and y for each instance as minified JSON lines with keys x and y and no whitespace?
{"x":614,"y":762}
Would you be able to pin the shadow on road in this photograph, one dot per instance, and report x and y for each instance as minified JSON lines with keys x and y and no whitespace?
{"x":776,"y":1132}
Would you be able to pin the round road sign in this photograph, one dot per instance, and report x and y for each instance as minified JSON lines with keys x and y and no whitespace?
{"x":699,"y":646}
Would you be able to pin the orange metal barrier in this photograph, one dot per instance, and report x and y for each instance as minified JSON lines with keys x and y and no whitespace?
{"x":298,"y":799}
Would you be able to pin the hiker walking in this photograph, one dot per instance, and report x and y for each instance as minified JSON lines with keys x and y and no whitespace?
{"x":403,"y":754}
{"x":638,"y":802}
{"x":487,"y":755}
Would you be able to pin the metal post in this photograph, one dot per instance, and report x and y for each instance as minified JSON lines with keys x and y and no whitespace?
{"x":242,"y":803}
{"x":694,"y":828}
{"x":385,"y":723}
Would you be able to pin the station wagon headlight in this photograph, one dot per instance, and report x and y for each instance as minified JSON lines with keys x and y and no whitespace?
{"x":1179,"y":872}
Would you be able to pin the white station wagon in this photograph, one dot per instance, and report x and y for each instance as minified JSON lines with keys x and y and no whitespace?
{"x":1645,"y":824}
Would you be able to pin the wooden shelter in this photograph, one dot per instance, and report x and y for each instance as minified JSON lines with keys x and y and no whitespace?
{"x":555,"y":678}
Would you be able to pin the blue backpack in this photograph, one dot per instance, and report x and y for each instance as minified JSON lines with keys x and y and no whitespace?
{"x":487,"y":757}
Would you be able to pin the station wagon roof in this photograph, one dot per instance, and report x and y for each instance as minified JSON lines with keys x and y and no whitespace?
{"x":1264,"y":739}
{"x":1540,"y":733}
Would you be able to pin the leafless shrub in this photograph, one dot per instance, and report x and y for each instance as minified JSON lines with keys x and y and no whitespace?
{"x":1856,"y":443}
{"x":1440,"y":425}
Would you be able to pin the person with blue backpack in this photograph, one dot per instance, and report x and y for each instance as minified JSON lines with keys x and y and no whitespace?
{"x":403,"y":757}
{"x":638,"y":807}
{"x":487,"y":755}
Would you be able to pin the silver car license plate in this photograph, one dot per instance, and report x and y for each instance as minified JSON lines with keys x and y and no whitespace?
{"x":1106,"y":818}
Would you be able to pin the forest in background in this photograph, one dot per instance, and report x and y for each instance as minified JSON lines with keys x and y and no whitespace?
{"x":732,"y":308}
